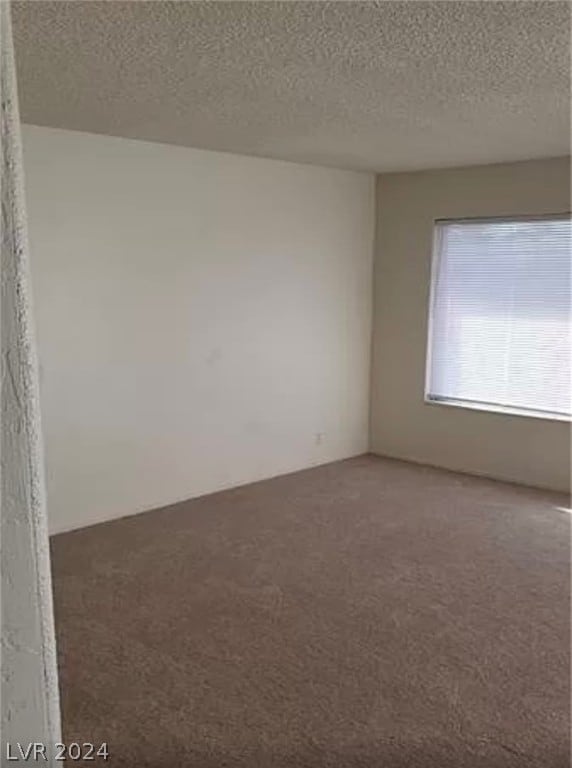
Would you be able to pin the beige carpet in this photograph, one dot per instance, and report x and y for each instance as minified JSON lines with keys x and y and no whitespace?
{"x":365,"y":613}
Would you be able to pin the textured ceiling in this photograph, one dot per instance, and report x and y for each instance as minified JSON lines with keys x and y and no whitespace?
{"x":366,"y":85}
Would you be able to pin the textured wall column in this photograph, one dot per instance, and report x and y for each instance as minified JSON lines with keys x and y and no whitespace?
{"x":30,"y":704}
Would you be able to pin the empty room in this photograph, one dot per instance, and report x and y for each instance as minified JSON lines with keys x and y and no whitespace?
{"x":286,"y":384}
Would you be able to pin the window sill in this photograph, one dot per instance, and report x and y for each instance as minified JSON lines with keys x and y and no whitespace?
{"x":504,"y":410}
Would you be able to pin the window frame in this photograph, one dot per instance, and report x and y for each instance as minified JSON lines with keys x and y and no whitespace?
{"x":472,"y":405}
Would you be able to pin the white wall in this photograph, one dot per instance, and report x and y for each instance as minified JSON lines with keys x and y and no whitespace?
{"x":516,"y":448}
{"x":203,"y":319}
{"x":29,"y":706}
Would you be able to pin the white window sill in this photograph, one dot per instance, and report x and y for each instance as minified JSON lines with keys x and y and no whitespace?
{"x":506,"y":410}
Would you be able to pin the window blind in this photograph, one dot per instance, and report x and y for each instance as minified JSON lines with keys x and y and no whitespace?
{"x":500,"y":314}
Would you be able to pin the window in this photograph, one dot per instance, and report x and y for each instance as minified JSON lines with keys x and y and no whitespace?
{"x":499,"y":329}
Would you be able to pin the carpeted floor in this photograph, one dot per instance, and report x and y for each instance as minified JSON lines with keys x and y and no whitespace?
{"x":365,"y":613}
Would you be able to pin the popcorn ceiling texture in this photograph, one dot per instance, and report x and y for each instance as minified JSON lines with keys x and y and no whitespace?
{"x":366,"y":85}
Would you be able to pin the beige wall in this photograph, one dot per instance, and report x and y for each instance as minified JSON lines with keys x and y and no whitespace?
{"x":204,"y":319}
{"x":517,"y":448}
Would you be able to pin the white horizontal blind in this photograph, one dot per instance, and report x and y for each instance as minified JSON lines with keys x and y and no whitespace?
{"x":500,"y":316}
